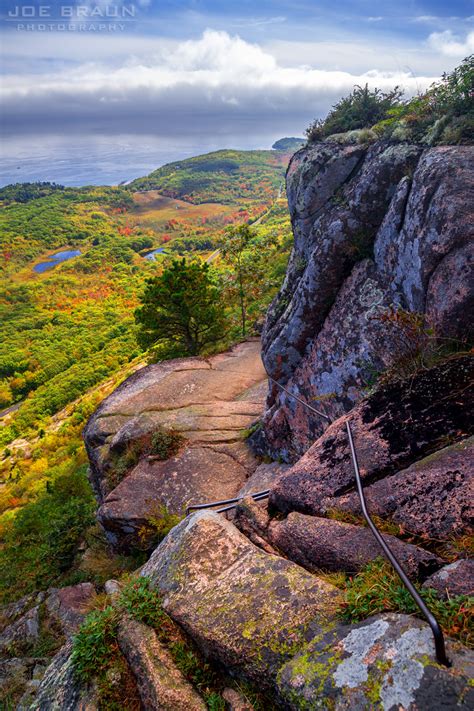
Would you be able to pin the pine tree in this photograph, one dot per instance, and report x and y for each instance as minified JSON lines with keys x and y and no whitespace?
{"x":181,"y":310}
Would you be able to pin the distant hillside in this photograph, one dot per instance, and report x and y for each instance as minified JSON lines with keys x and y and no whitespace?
{"x":289,"y":144}
{"x":228,"y":177}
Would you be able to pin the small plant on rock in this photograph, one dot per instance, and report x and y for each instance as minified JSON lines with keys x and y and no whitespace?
{"x":142,"y":602}
{"x":95,"y":644}
{"x":377,"y":588}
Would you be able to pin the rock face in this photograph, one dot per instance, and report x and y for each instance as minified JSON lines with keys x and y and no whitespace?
{"x":454,"y":579}
{"x":376,"y":229}
{"x":210,"y":402}
{"x":69,"y":605}
{"x":318,"y":543}
{"x":243,"y":607}
{"x":432,"y":498}
{"x":60,"y":689}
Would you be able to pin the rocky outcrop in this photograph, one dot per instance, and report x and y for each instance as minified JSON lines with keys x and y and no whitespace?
{"x":433,"y":498}
{"x":210,"y":403}
{"x":68,"y":606}
{"x":376,"y":229}
{"x":397,"y":425}
{"x":454,"y":579}
{"x":61,"y":690}
{"x":385,"y":662}
{"x":37,"y":625}
{"x":318,"y":543}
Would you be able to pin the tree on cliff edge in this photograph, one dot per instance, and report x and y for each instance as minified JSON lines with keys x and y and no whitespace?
{"x":181,"y":312}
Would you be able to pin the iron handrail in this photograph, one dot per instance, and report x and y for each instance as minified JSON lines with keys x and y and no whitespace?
{"x":430,"y":618}
{"x":235,"y":500}
{"x":295,"y":397}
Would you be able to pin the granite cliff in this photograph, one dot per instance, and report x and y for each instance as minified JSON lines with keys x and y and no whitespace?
{"x":382,"y":260}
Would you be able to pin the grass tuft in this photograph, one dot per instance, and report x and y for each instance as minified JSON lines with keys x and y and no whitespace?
{"x":377,"y":588}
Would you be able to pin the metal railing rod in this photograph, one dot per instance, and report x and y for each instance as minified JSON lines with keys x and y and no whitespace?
{"x":211,"y":504}
{"x":302,"y":402}
{"x":263,"y":495}
{"x":431,"y":619}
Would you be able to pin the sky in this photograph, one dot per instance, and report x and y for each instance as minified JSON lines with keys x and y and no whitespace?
{"x":207,"y":68}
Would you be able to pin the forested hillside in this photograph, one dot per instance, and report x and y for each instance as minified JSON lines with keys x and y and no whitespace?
{"x":229,"y":177}
{"x":67,"y":331}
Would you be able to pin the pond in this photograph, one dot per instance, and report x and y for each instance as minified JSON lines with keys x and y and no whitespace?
{"x":56,"y":259}
{"x":151,"y":255}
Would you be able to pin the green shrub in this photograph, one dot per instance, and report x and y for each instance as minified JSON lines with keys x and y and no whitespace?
{"x":95,"y":644}
{"x":142,"y":602}
{"x":41,"y":541}
{"x":361,"y":109}
{"x":165,"y":443}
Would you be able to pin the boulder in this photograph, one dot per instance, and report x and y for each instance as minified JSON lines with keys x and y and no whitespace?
{"x":24,"y":631}
{"x":244,"y":608}
{"x":324,"y":544}
{"x":431,"y":498}
{"x":160,"y":684}
{"x":60,"y":689}
{"x":210,"y":403}
{"x":454,"y":579}
{"x":400,"y":423}
{"x":69,"y":605}
{"x":384,"y":663}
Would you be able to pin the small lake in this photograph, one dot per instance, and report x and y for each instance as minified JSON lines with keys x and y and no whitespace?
{"x":151,"y":255}
{"x":56,"y":259}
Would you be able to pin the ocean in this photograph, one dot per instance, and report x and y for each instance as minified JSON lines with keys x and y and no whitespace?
{"x":104,"y":160}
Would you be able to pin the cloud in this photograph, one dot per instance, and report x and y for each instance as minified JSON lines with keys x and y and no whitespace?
{"x":215,"y":83}
{"x":258,"y":21}
{"x":451,"y":45}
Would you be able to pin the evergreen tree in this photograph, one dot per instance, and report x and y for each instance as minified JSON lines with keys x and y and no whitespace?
{"x":181,"y":310}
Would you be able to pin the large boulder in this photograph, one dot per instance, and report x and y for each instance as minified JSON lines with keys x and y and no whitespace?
{"x":384,"y":663}
{"x":318,"y":543}
{"x":207,"y":405}
{"x":432,"y":498}
{"x":400,"y":423}
{"x":376,"y":230}
{"x":248,"y":610}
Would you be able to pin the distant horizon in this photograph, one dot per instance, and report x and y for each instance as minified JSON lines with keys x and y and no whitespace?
{"x":191,"y":76}
{"x":132,"y":160}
